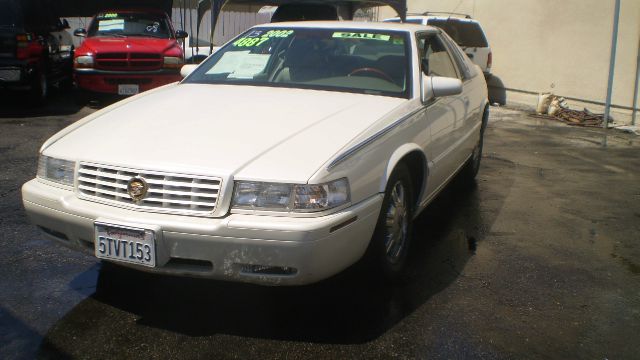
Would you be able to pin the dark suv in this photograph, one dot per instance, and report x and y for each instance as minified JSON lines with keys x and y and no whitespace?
{"x":35,"y":51}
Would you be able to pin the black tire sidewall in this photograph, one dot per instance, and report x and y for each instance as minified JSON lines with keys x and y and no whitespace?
{"x":376,"y":254}
{"x":39,"y":88}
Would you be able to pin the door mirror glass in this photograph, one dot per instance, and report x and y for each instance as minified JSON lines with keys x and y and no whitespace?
{"x":181,"y":34}
{"x":80,"y":32}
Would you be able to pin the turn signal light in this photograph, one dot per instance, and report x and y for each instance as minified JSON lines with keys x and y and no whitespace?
{"x":22,"y":44}
{"x":83,"y":62}
{"x":173,"y":62}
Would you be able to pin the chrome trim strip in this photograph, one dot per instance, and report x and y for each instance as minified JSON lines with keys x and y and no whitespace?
{"x":348,"y":153}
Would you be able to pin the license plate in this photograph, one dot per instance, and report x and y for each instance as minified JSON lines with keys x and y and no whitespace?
{"x":128,"y":89}
{"x":9,"y":75}
{"x":125,"y":244}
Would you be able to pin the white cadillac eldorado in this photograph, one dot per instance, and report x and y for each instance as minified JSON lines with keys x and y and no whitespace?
{"x":309,"y":146}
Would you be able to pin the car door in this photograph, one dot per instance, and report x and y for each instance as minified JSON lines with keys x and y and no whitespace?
{"x":472,"y":95}
{"x":445,"y":115}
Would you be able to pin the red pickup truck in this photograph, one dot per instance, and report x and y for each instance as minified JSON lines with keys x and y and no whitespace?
{"x":128,"y":51}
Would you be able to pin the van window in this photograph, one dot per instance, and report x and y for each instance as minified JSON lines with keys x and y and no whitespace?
{"x":464,"y":33}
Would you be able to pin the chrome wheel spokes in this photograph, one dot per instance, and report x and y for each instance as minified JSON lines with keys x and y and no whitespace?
{"x":397,"y":223}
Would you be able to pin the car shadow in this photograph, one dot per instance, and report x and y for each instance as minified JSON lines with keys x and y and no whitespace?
{"x":17,"y":104}
{"x":59,"y":103}
{"x":350,"y":308}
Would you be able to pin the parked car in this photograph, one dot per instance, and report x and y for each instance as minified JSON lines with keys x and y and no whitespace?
{"x":324,"y":141}
{"x":464,"y":30}
{"x":35,"y":51}
{"x":128,"y":51}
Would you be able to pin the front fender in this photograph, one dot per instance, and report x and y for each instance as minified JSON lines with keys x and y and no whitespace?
{"x":399,"y":154}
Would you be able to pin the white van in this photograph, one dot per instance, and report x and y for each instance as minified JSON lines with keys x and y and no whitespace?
{"x":464,"y":30}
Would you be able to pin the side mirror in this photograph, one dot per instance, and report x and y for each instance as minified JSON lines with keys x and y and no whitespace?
{"x":437,"y":86}
{"x":181,"y":34}
{"x":187,"y":69}
{"x":80,"y":32}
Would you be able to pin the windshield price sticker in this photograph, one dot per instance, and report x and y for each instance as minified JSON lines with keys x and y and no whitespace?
{"x":257,"y":38}
{"x":365,"y":36}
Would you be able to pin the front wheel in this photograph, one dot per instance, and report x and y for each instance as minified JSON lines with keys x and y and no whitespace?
{"x":389,"y":245}
{"x":39,"y":88}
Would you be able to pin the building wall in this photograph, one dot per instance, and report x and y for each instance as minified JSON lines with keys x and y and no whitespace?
{"x":230,"y":23}
{"x":559,"y":46}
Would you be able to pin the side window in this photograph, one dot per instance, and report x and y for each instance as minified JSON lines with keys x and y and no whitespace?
{"x":458,"y":57}
{"x":434,"y":57}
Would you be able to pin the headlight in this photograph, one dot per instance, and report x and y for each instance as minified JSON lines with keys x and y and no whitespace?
{"x":85,"y":61}
{"x":173,"y":62}
{"x":289,"y":197}
{"x":56,"y":170}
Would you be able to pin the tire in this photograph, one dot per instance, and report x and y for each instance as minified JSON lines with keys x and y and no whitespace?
{"x":39,"y":88}
{"x":80,"y":97}
{"x":472,"y":166}
{"x":388,"y":250}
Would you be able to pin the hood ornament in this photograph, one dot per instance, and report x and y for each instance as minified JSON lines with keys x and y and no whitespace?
{"x":137,"y":189}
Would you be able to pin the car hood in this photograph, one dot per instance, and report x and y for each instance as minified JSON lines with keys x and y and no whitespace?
{"x":98,"y":45}
{"x":250,"y":133}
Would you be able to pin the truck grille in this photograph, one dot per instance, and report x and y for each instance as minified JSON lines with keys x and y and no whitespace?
{"x":173,"y":193}
{"x":128,"y":61}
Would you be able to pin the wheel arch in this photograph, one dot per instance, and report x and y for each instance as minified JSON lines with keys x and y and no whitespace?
{"x":416,"y":161}
{"x":485,"y":115}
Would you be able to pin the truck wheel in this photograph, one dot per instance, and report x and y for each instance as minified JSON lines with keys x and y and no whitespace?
{"x":39,"y":88}
{"x":389,"y":245}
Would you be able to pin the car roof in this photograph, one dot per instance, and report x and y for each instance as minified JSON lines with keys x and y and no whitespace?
{"x":356,"y":25}
{"x":438,"y":17}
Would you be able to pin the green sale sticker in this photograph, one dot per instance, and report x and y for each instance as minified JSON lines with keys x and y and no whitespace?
{"x":366,"y":36}
{"x":257,"y":38}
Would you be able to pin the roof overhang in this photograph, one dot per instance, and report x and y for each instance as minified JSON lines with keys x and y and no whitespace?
{"x":399,"y":6}
{"x":350,"y":6}
{"x":84,"y":8}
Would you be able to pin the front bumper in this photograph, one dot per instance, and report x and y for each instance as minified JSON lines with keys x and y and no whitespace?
{"x":229,"y":248}
{"x":104,"y":81}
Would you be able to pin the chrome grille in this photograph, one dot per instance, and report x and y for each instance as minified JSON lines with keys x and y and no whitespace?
{"x":174,"y":193}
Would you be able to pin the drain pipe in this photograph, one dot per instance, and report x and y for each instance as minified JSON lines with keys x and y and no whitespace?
{"x":635,"y":90}
{"x":612,"y":63}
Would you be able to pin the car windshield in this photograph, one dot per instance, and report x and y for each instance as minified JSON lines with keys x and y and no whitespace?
{"x":464,"y":33}
{"x":362,"y":61}
{"x":130,"y":24}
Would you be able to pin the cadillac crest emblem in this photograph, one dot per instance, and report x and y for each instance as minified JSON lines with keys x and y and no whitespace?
{"x":137,"y":188}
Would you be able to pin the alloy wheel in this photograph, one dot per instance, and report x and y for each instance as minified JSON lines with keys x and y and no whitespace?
{"x":396,"y":223}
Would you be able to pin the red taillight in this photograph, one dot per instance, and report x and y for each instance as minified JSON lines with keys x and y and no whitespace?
{"x":489,"y":60}
{"x":22,"y":46}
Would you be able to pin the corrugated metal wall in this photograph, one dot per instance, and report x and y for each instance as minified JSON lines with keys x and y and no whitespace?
{"x":230,"y":23}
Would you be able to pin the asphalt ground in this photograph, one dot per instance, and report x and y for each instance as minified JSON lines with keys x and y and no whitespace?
{"x":541,"y":259}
